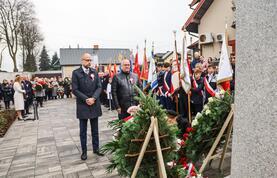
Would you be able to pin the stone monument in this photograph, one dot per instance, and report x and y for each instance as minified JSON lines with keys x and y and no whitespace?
{"x":254,"y":149}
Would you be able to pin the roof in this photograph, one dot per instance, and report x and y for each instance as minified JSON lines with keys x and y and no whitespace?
{"x":194,"y":2}
{"x":193,"y":45}
{"x":193,"y":21}
{"x":72,"y":56}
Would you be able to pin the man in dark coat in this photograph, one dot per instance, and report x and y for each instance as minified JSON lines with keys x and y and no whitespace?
{"x":27,"y":85}
{"x":123,"y":89}
{"x":86,"y":86}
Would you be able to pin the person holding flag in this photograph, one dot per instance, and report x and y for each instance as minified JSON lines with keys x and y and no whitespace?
{"x":225,"y":72}
{"x":197,"y":92}
{"x":167,"y":101}
{"x":210,"y":83}
{"x":160,"y":79}
{"x":184,"y":99}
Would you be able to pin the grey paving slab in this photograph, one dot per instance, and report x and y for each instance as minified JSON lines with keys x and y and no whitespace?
{"x":50,"y":147}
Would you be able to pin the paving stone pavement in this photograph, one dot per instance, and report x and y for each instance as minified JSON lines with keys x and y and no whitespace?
{"x":50,"y":146}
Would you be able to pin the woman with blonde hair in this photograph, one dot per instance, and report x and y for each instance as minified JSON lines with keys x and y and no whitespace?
{"x":18,"y":97}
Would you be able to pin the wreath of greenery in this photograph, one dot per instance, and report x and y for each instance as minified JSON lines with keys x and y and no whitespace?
{"x":198,"y":140}
{"x":137,"y":129}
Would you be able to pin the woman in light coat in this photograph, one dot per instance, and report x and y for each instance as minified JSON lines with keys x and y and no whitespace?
{"x":18,"y":97}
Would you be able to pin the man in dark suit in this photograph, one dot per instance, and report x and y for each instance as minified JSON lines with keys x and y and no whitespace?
{"x":27,"y":86}
{"x":86,"y":86}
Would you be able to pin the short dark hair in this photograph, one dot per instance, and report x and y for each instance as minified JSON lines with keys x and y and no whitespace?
{"x":166,"y":64}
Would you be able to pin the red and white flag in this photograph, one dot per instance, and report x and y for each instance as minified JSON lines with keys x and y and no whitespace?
{"x":225,"y":71}
{"x":175,"y":70}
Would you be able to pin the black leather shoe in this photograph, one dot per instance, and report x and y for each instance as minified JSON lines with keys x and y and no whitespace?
{"x":84,"y":155}
{"x":98,"y":153}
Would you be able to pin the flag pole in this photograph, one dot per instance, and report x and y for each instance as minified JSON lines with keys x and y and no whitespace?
{"x":175,"y":46}
{"x":189,"y":108}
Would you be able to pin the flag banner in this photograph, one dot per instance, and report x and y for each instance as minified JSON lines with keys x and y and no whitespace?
{"x":152,"y":75}
{"x":184,"y":69}
{"x":225,"y":72}
{"x":136,"y":66}
{"x":175,"y":71}
{"x":144,"y":72}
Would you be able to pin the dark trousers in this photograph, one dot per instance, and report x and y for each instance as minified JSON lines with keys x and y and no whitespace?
{"x":28,"y":102}
{"x":68,"y":95}
{"x":123,"y":115}
{"x":40,"y":101}
{"x":196,"y":108}
{"x":7,"y":104}
{"x":183,"y":104}
{"x":94,"y":133}
{"x":162,"y":101}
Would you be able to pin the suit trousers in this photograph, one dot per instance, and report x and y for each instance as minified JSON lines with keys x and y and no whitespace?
{"x":94,"y":133}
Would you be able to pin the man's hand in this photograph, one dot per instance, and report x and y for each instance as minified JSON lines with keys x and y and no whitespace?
{"x":90,"y":101}
{"x":118,"y":110}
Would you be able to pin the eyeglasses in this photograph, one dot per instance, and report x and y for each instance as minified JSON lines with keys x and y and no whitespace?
{"x":87,"y":60}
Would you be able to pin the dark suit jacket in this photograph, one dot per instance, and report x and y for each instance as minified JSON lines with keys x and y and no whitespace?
{"x":83,"y":87}
{"x":27,"y":85}
{"x":196,"y":93}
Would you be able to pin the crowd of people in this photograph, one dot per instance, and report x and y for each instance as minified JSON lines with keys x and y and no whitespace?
{"x":116,"y":90}
{"x":22,"y":91}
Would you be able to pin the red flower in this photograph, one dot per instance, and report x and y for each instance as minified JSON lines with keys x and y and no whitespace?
{"x":193,"y":173}
{"x":182,"y":143}
{"x":184,"y":164}
{"x":182,"y":160}
{"x":185,"y":136}
{"x":189,"y":129}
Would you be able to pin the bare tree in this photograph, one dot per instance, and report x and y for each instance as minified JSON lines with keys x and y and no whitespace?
{"x":12,"y":14}
{"x":30,"y":38}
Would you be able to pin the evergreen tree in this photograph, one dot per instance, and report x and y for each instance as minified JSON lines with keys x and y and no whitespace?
{"x":55,"y":63}
{"x":30,"y":64}
{"x":44,"y":60}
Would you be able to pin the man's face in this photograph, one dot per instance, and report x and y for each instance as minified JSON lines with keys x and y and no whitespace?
{"x":86,"y":60}
{"x":196,"y":55}
{"x":201,"y":58}
{"x":125,"y":66}
{"x":210,"y":70}
{"x":159,"y":68}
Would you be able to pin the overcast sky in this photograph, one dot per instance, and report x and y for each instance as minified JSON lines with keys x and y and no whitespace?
{"x":109,"y":23}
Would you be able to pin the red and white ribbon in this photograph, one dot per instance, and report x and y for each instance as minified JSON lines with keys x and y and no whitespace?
{"x":208,"y":87}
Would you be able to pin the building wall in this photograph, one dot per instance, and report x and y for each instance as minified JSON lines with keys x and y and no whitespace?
{"x":219,"y":13}
{"x":11,"y":75}
{"x":67,"y":70}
